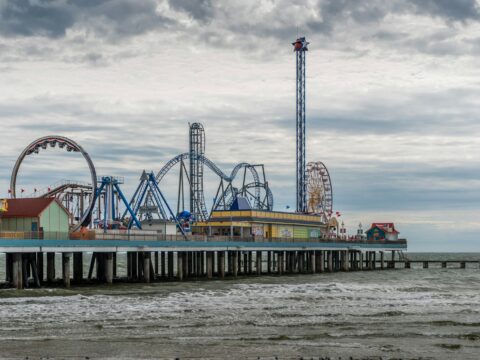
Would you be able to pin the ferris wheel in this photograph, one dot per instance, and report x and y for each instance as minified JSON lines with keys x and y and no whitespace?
{"x":319,"y":190}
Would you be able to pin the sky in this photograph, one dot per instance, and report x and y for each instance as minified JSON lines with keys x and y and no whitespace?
{"x":391,"y":98}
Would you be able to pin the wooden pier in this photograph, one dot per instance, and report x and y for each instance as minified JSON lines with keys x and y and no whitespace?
{"x":32,"y":262}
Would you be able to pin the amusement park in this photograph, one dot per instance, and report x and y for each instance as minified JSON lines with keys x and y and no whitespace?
{"x":242,"y":212}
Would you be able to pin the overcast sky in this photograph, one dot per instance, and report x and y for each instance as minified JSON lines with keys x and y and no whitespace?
{"x":392,"y":98}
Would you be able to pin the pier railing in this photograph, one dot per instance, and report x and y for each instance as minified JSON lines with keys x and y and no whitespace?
{"x":152,"y":236}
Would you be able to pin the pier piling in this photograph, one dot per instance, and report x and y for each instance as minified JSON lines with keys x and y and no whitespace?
{"x":66,"y":269}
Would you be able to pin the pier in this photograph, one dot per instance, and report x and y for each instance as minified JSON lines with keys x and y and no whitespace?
{"x":31,"y":262}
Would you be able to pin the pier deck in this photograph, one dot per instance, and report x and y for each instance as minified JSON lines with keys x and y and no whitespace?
{"x":180,"y":259}
{"x":40,"y":245}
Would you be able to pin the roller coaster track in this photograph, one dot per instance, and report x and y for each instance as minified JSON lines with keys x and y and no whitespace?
{"x":229,"y":179}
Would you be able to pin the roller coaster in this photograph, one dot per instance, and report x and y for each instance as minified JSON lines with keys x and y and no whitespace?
{"x":96,"y":204}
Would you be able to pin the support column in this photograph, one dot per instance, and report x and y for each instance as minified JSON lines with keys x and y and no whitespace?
{"x":40,"y":266}
{"x":209,"y":264}
{"x":50,"y":267}
{"x":108,"y":267}
{"x":180,"y":266}
{"x":146,"y":265}
{"x":250,"y":263}
{"x":162,"y":263}
{"x":425,"y":264}
{"x":234,"y":259}
{"x":269,"y":262}
{"x":9,"y":267}
{"x":258,"y":260}
{"x":360,"y":260}
{"x":78,"y":267}
{"x":312,"y":262}
{"x":345,"y":260}
{"x":444,"y":264}
{"x":66,"y":269}
{"x":321,"y":261}
{"x":301,"y":261}
{"x":17,"y":271}
{"x":245,"y":262}
{"x":170,"y":264}
{"x":221,"y":264}
{"x":382,"y":260}
{"x":199,"y":270}
{"x":156,"y":263}
{"x":280,"y":262}
{"x":330,"y":261}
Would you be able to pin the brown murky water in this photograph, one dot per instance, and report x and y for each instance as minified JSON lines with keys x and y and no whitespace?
{"x":432,"y":313}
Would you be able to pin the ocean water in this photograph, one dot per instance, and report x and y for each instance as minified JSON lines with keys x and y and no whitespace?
{"x":412,"y":313}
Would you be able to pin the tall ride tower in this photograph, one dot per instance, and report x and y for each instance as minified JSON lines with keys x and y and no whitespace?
{"x":300,"y":47}
{"x":197,"y":148}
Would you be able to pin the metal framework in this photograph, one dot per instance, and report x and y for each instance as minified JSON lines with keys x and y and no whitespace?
{"x":70,"y":146}
{"x":300,"y":48}
{"x":73,"y":195}
{"x":319,"y":190}
{"x":108,"y":196}
{"x":147,"y":201}
{"x":197,"y":150}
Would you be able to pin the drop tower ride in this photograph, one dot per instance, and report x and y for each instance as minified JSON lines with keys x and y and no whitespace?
{"x":300,"y":48}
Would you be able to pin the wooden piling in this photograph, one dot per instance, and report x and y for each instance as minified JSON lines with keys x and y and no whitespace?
{"x":78,"y":267}
{"x":221,"y":264}
{"x":425,"y":264}
{"x":330,"y":261}
{"x":162,"y":263}
{"x":444,"y":264}
{"x":50,"y":267}
{"x":108,"y":268}
{"x":156,"y":263}
{"x":312,"y":262}
{"x":234,"y":259}
{"x":8,"y":267}
{"x":17,"y":271}
{"x":144,"y":259}
{"x":210,"y":255}
{"x":250,"y":263}
{"x":170,"y":264}
{"x":280,"y":262}
{"x":382,"y":260}
{"x":66,"y":269}
{"x":258,"y":260}
{"x":40,"y":266}
{"x":180,"y":266}
{"x":245,"y":262}
{"x":269,"y":262}
{"x":320,"y":259}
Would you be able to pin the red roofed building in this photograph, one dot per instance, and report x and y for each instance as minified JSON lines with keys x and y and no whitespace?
{"x":382,"y":231}
{"x":35,"y":214}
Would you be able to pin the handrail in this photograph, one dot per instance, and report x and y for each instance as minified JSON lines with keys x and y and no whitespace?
{"x":153,"y":236}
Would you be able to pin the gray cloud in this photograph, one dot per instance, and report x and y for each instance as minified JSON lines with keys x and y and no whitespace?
{"x":458,"y":10}
{"x":52,"y":18}
{"x":202,"y":10}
